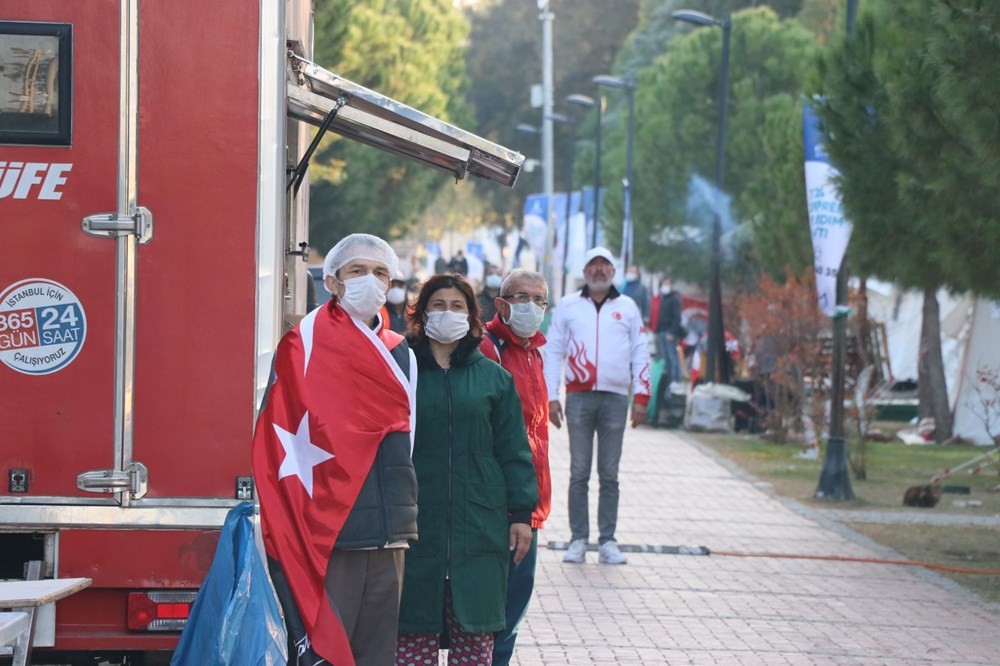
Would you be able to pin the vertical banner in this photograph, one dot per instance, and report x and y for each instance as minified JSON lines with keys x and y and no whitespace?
{"x":589,"y":214}
{"x":579,"y":240}
{"x":559,"y":219}
{"x":831,"y":231}
{"x":475,"y":256}
{"x":569,"y":238}
{"x":535,"y":229}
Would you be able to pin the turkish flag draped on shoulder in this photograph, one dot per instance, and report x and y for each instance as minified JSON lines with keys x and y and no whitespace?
{"x":335,"y":394}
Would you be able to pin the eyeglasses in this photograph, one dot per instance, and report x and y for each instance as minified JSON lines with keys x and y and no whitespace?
{"x":522,"y":297}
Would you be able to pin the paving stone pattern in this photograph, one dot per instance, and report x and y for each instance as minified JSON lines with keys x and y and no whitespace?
{"x":718,"y":609}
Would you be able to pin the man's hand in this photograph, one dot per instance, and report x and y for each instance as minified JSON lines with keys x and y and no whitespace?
{"x":555,"y":413}
{"x":520,"y":540}
{"x":638,"y":414}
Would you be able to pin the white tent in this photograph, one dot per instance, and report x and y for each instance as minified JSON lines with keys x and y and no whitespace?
{"x":970,"y":338}
{"x":982,"y":350}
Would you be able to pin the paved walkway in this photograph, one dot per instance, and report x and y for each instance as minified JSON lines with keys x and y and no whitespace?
{"x":719,"y":609}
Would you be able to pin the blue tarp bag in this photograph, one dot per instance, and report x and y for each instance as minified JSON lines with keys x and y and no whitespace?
{"x":235,"y":620}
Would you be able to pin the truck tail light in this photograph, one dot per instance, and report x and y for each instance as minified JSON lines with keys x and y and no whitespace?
{"x":162,"y":610}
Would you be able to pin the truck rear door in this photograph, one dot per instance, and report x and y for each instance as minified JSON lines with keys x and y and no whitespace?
{"x":58,"y":331}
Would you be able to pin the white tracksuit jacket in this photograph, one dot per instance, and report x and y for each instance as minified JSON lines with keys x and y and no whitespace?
{"x":603,"y":349}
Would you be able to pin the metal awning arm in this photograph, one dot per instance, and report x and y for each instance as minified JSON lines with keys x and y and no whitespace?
{"x":385,"y":123}
{"x":299,"y":172}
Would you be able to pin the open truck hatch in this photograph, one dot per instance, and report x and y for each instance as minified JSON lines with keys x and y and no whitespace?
{"x":380,"y":121}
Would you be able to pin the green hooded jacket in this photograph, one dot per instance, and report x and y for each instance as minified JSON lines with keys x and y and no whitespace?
{"x":474,"y":477}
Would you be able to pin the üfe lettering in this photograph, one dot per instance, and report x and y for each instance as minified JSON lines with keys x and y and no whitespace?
{"x":36,"y":180}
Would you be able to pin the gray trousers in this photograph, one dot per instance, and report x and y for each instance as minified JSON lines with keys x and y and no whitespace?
{"x":605,"y":413}
{"x":365,"y":586}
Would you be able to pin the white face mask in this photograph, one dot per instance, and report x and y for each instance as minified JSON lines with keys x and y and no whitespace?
{"x":525,"y":318}
{"x":665,"y":289}
{"x":396,"y":295}
{"x":631,"y":277}
{"x":446,"y":326}
{"x":493,"y":281}
{"x":363,"y":296}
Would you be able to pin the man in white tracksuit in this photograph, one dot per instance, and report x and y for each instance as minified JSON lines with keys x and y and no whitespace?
{"x":599,"y":335}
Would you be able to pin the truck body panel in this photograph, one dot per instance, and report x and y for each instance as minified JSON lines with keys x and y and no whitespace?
{"x":151,"y":256}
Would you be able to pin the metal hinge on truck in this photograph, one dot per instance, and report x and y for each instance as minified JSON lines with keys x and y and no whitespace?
{"x":132,"y":480}
{"x":113,"y":225}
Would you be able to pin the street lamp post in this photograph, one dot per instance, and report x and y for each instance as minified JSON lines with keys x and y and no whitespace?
{"x":628,"y":85}
{"x":546,"y":17}
{"x":717,"y":368}
{"x":590,"y":103}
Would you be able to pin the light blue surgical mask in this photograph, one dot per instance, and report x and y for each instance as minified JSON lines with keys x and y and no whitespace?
{"x":525,"y":318}
{"x":446,"y":326}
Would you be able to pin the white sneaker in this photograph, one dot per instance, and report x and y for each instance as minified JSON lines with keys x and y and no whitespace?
{"x":609,"y":554}
{"x":577,"y":552}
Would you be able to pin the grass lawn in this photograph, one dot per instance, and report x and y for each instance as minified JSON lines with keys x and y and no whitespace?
{"x":892,"y":468}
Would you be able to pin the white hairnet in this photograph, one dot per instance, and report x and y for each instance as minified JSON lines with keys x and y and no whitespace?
{"x":360,"y":246}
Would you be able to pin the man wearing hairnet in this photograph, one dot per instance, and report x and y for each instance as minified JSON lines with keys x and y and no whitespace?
{"x":338,"y":497}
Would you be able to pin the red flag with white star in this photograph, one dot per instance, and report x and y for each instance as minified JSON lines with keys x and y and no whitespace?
{"x":336,"y":393}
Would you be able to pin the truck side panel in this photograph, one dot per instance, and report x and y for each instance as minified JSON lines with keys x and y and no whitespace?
{"x":194,"y":383}
{"x":59,"y":424}
{"x":194,"y":387}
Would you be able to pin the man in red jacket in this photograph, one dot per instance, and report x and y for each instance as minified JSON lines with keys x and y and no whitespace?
{"x":512,"y":339}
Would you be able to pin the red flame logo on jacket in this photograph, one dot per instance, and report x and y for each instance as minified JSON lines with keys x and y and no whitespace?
{"x":644,"y":377}
{"x":581,"y":373}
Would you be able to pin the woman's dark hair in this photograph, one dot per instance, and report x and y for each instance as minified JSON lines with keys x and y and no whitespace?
{"x":415,"y":315}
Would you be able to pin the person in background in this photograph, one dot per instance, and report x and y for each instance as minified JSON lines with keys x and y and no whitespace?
{"x":412,"y":290}
{"x":669,"y":330}
{"x":395,"y":304}
{"x":513,"y":340}
{"x":636,"y":290}
{"x":487,"y":297}
{"x":477,"y":484}
{"x":459,"y":264}
{"x":601,"y":338}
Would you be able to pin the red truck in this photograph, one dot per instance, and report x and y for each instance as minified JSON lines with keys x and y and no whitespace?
{"x":150,"y":159}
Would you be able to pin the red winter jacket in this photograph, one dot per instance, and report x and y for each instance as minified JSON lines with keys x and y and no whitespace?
{"x":525,"y":365}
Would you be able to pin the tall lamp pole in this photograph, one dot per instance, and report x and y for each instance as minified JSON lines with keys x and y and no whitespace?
{"x":546,"y":17}
{"x":717,"y":367}
{"x":628,"y":85}
{"x":835,"y":478}
{"x":591,"y":103}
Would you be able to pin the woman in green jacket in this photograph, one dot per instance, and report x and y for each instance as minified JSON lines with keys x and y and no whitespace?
{"x":476,"y":484}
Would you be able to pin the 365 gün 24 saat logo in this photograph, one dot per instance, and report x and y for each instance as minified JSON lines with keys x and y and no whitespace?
{"x":42,"y":326}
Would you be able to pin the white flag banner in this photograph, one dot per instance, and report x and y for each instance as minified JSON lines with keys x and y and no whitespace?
{"x":831,"y":231}
{"x":535,"y":229}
